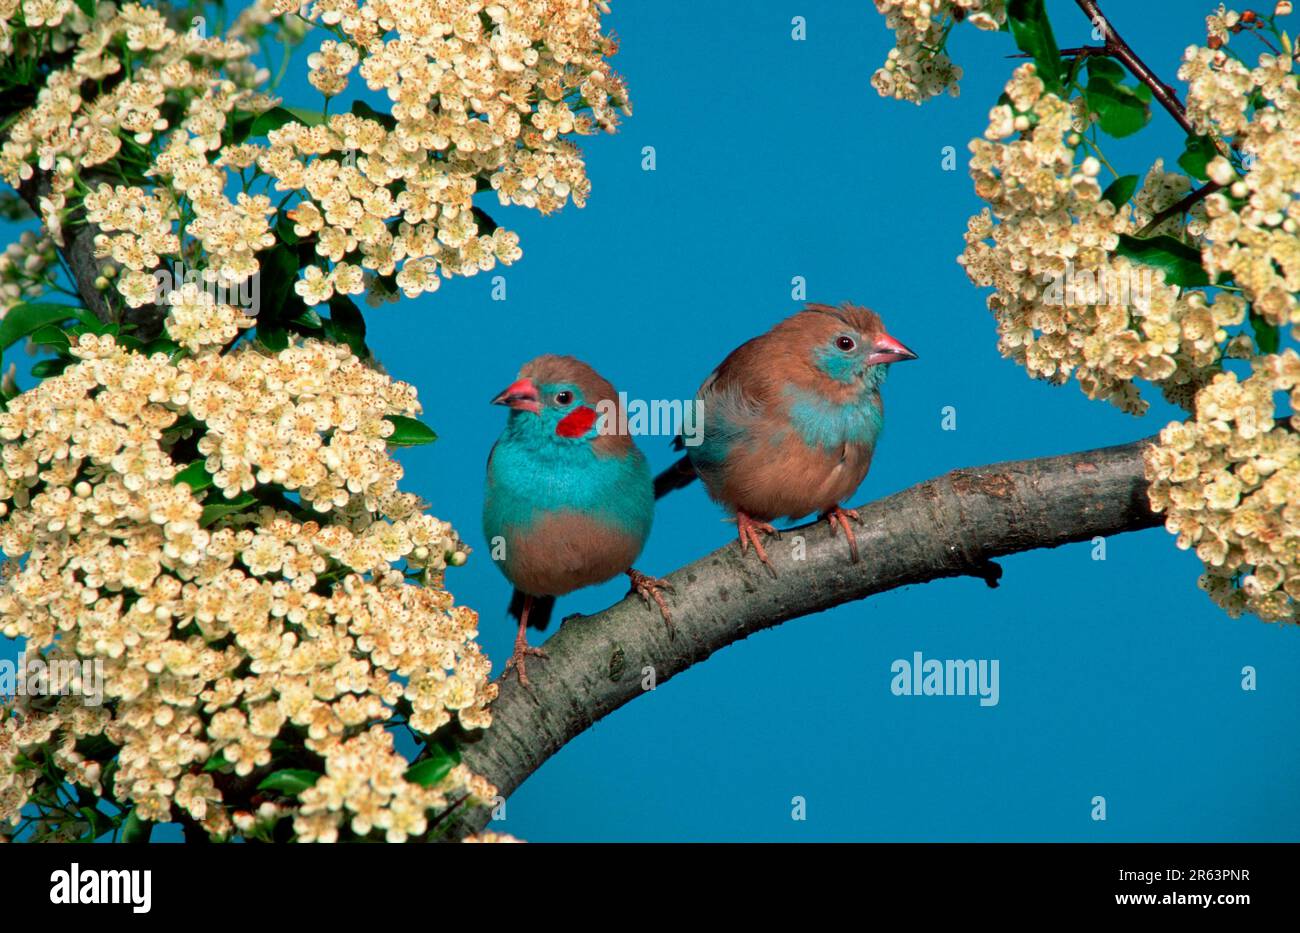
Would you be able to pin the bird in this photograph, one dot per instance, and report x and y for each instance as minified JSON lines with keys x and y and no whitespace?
{"x":790,"y":422}
{"x":569,"y":500}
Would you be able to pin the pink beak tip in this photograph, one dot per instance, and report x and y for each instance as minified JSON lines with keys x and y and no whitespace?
{"x":888,"y":350}
{"x":520,"y":395}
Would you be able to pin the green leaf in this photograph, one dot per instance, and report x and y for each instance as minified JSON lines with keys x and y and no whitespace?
{"x":277,"y":117}
{"x":51,"y":335}
{"x":1120,"y":110}
{"x":135,"y":829}
{"x":435,"y":767}
{"x":216,"y":762}
{"x":87,"y":7}
{"x":195,"y":476}
{"x":277,"y":272}
{"x":1105,"y":68}
{"x":361,"y":109}
{"x":1267,"y":337}
{"x":223,"y":507}
{"x":1033,"y":34}
{"x":1180,"y":263}
{"x":1120,"y":190}
{"x":47,"y":368}
{"x":408,"y":432}
{"x":99,"y":822}
{"x":240,"y":125}
{"x":161,"y":345}
{"x":290,"y":781}
{"x":93,"y":326}
{"x":346,"y":325}
{"x":25,"y":319}
{"x":308,"y":320}
{"x":1197,"y":153}
{"x":272,"y":336}
{"x":284,"y":230}
{"x":486,"y":225}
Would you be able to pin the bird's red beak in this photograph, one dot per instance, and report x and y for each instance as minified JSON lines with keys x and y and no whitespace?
{"x":521,"y":396}
{"x":888,"y":350}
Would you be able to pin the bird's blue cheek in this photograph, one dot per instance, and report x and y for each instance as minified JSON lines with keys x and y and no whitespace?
{"x":840,"y":366}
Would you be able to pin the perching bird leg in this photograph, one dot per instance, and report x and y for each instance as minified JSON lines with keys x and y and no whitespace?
{"x":748,"y":531}
{"x":648,"y":588}
{"x":522,"y":648}
{"x":840,"y":517}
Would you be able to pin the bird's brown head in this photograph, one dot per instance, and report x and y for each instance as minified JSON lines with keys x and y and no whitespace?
{"x":843,"y":346}
{"x":566,"y":396}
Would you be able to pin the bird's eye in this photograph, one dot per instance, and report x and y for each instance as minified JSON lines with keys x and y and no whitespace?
{"x":845,"y":342}
{"x":563,"y":398}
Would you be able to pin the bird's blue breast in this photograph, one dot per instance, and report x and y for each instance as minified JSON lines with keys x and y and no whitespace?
{"x":827,"y":424}
{"x":527,"y":482}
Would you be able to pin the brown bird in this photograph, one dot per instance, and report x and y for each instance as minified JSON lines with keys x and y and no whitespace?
{"x":791,"y":420}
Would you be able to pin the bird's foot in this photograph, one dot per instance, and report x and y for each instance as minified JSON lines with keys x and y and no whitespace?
{"x":517,"y":664}
{"x":650,"y":588}
{"x":750,"y":532}
{"x":839,"y":517}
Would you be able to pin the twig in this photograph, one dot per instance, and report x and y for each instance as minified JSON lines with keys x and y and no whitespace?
{"x":1180,"y":208}
{"x":1081,"y":51}
{"x":1117,"y":47}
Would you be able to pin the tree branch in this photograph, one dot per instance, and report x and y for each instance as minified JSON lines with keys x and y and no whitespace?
{"x":1179,"y":208}
{"x":78,"y":247}
{"x":1116,"y":46}
{"x":955,"y":525}
{"x":78,"y":252}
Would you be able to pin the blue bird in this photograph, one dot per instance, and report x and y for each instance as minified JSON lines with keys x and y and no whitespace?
{"x":569,"y":500}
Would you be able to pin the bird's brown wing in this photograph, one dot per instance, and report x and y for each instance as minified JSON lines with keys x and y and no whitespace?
{"x":743,"y":388}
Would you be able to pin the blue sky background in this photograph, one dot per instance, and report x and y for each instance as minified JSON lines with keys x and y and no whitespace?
{"x":775,"y":159}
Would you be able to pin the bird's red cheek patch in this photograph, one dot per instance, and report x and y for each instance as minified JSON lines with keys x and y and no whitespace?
{"x":576,"y":423}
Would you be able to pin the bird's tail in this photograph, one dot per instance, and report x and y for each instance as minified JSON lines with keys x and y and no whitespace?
{"x":539,"y":616}
{"x":680,"y":474}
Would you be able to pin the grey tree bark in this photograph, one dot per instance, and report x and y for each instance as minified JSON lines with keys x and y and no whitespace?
{"x":78,"y":252}
{"x":954,"y":525}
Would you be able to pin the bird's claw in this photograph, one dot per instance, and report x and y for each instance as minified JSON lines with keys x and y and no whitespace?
{"x":749,"y":532}
{"x":839,"y":518}
{"x":516,"y":662}
{"x":649,"y":589}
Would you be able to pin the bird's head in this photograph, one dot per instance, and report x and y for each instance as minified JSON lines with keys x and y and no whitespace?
{"x":846,"y":348}
{"x":558,"y":398}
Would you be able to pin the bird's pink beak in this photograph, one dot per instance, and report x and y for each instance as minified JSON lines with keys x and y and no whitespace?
{"x":888,"y":350}
{"x":521,"y":395}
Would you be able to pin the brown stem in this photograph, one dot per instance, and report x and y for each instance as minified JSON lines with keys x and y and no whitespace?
{"x":1180,"y":208}
{"x":1079,"y":51}
{"x":1116,"y":46}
